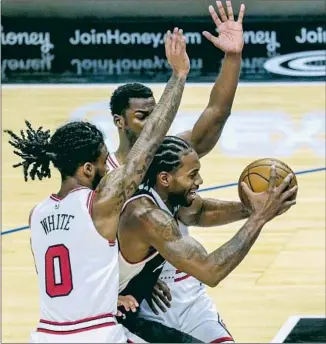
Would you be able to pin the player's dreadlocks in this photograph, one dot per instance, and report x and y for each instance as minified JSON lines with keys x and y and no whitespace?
{"x":167,"y":158}
{"x":70,"y":146}
{"x":121,"y":96}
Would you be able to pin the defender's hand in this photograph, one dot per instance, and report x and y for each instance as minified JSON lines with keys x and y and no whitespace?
{"x":175,"y":51}
{"x":128,"y":302}
{"x":230,"y":32}
{"x":161,"y":296}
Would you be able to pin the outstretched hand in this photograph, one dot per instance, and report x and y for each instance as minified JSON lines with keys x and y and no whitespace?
{"x":175,"y":51}
{"x":230,"y":32}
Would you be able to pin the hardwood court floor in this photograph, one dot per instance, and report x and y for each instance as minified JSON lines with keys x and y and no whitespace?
{"x":283,"y":275}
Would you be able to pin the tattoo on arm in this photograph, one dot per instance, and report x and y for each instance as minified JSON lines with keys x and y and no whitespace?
{"x":121,"y":184}
{"x":158,"y":123}
{"x":161,"y":224}
{"x":235,"y":249}
{"x":229,"y":256}
{"x":186,"y":254}
{"x":216,"y":212}
{"x":192,"y":248}
{"x":208,"y":212}
{"x":156,"y":127}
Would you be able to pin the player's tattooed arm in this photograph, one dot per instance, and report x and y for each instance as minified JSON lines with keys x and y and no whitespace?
{"x":187,"y":255}
{"x":121,"y":183}
{"x":208,"y":212}
{"x":208,"y":128}
{"x":160,"y":230}
{"x":116,"y":187}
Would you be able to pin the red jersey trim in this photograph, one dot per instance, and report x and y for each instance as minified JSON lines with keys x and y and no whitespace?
{"x":112,"y":162}
{"x":90,"y":200}
{"x":89,"y":328}
{"x":181,"y":278}
{"x":56,"y":198}
{"x":65,"y":323}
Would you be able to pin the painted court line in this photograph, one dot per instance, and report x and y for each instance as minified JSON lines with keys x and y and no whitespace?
{"x":223,"y":186}
{"x":289,"y":326}
{"x":235,"y":184}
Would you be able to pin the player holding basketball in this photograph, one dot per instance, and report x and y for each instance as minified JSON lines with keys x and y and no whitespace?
{"x":151,"y":231}
{"x":73,"y":232}
{"x":131,"y":106}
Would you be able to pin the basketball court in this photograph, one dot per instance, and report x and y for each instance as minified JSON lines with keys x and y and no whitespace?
{"x":283,"y":276}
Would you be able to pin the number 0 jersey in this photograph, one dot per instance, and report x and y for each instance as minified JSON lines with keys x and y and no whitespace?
{"x":78,"y":273}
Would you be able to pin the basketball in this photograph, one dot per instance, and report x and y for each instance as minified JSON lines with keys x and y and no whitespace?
{"x":256,"y":176}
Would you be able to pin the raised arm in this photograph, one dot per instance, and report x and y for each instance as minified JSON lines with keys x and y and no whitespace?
{"x":186,"y":254}
{"x":208,"y":128}
{"x":120,"y":184}
{"x":208,"y":212}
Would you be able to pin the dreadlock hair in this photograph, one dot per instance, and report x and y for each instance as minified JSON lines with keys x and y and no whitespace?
{"x":167,"y":158}
{"x":69,"y":147}
{"x":120,"y":98}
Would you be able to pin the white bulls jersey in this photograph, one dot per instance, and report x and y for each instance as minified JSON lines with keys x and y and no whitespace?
{"x":77,"y":268}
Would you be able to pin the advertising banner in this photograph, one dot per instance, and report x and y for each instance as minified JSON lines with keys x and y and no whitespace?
{"x":64,"y":51}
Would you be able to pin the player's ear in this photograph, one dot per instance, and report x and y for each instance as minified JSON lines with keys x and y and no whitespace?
{"x":164,"y":178}
{"x":88,"y":169}
{"x":119,"y":121}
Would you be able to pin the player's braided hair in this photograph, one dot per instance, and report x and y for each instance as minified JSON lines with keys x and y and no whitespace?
{"x":167,"y":158}
{"x":120,"y":98}
{"x":69,"y":147}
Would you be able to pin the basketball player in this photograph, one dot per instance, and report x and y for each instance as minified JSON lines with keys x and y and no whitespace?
{"x":131,"y":106}
{"x":151,"y":231}
{"x":73,"y":232}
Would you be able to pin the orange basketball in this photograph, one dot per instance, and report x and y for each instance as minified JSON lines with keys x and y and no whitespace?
{"x":256,"y":176}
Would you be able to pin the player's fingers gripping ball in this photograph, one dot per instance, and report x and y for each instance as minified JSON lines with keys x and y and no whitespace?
{"x":256,"y":175}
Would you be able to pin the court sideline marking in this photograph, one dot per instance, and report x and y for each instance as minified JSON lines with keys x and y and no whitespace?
{"x":216,"y":187}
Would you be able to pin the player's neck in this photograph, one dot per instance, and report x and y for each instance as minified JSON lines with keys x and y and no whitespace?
{"x":123,"y":149}
{"x":69,"y":184}
{"x":164,"y":197}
